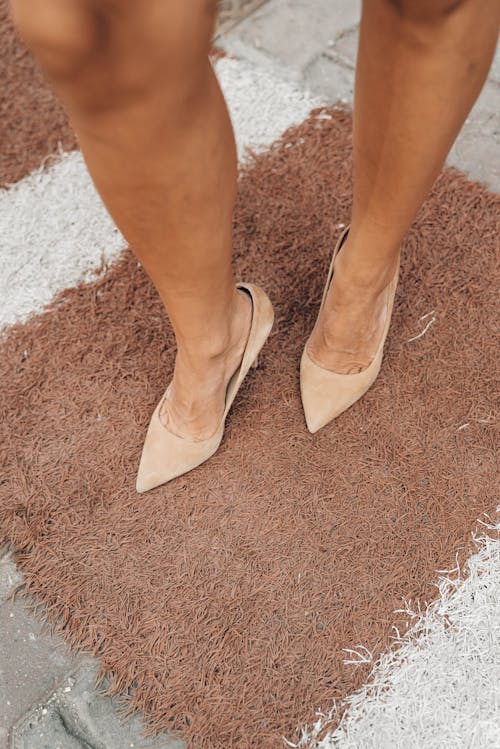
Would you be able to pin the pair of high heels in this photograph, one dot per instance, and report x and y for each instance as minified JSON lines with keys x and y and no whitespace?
{"x":324,"y":394}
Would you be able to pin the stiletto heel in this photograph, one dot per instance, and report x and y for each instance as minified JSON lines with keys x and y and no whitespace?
{"x":165,"y":455}
{"x":325,"y":394}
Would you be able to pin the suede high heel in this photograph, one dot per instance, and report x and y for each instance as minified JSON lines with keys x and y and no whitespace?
{"x":166,"y":455}
{"x":326,"y":394}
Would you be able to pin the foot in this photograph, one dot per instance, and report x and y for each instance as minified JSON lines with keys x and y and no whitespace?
{"x":349,"y":328}
{"x":195,"y":401}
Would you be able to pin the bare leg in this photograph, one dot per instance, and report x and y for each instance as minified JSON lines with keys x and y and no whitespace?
{"x":421,"y":65}
{"x":135,"y":78}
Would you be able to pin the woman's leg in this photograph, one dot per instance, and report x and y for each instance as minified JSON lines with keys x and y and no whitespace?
{"x":421,"y":65}
{"x":135,"y":78}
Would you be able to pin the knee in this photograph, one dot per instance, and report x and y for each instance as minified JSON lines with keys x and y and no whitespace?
{"x":118,"y":43}
{"x":60,"y":33}
{"x":426,"y":11}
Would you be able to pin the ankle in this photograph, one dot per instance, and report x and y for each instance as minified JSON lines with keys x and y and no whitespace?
{"x":213,"y":346}
{"x":368,"y":275}
{"x":198,"y":354}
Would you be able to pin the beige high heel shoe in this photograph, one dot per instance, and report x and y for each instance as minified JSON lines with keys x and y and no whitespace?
{"x":325,"y":394}
{"x":165,"y":455}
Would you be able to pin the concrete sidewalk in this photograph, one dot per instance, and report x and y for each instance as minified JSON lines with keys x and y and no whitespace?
{"x":47,"y":693}
{"x":315,"y":44}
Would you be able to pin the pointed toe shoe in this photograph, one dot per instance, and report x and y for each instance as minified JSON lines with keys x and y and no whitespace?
{"x":166,"y":455}
{"x":326,"y":394}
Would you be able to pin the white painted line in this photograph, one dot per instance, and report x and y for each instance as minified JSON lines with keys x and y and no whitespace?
{"x":262,"y":106}
{"x":439,"y":685}
{"x":54,"y":228}
{"x":54,"y":231}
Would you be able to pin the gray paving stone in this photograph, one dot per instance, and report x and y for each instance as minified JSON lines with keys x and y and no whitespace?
{"x":295,"y":32}
{"x":315,"y":45}
{"x":242,"y":50}
{"x":32,"y":663}
{"x":327,"y":78}
{"x":345,"y":48}
{"x":232,"y":11}
{"x":476,"y":150}
{"x":76,"y":716}
{"x":10,"y":576}
{"x":495,"y":68}
{"x":47,"y":694}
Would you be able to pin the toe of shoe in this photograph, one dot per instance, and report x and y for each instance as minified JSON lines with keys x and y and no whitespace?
{"x":166,"y":456}
{"x":325,"y":395}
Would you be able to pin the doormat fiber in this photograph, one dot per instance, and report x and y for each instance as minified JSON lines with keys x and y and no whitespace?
{"x":220,"y":604}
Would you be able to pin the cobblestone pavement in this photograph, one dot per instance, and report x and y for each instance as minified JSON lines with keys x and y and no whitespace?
{"x":314,"y":44}
{"x":232,"y":11}
{"x":47,"y":693}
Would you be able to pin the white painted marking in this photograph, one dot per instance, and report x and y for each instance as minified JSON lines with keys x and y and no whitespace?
{"x":54,"y":228}
{"x":54,"y":231}
{"x":261,"y":105}
{"x":439,"y":685}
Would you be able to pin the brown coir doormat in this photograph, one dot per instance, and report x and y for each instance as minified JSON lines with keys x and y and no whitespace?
{"x":220,"y":603}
